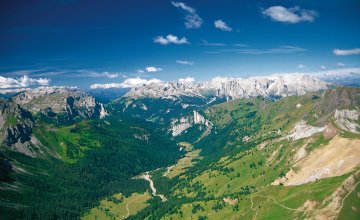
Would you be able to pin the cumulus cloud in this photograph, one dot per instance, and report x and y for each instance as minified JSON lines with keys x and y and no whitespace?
{"x":185,"y":62}
{"x":290,"y":15}
{"x":170,"y":39}
{"x":22,"y":82}
{"x":217,"y":81}
{"x":192,"y":19}
{"x":128,"y":83}
{"x":340,"y":52}
{"x":152,"y":69}
{"x":301,"y":66}
{"x":222,"y":25}
{"x":186,"y":80}
{"x":340,"y":64}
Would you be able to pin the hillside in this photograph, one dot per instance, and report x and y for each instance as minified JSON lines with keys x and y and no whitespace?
{"x":254,"y":158}
{"x":269,"y":160}
{"x":86,"y":157}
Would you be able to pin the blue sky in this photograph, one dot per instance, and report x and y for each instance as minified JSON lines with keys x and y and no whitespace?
{"x":80,"y":43}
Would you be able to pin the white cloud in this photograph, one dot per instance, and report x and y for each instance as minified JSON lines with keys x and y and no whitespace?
{"x":206,"y":43}
{"x":65,"y":73}
{"x":183,"y":6}
{"x":290,"y":15}
{"x":170,"y":39}
{"x":340,"y":64}
{"x":111,"y":75}
{"x":92,"y":73}
{"x":185,"y":62}
{"x":217,"y":81}
{"x":152,"y":69}
{"x":338,"y":72}
{"x":186,"y":80}
{"x":192,"y":19}
{"x":301,"y":66}
{"x":240,"y":45}
{"x":340,"y":52}
{"x":279,"y":50}
{"x":6,"y":91}
{"x":222,"y":25}
{"x":128,"y":83}
{"x":106,"y":86}
{"x":140,"y":71}
{"x":323,"y":67}
{"x":22,"y":82}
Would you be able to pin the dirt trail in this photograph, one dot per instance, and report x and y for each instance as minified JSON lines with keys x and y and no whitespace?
{"x":127,"y":206}
{"x":342,"y":201}
{"x":335,"y":201}
{"x":285,"y":207}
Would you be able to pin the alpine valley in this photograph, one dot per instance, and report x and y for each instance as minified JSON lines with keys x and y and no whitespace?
{"x":266,"y":147}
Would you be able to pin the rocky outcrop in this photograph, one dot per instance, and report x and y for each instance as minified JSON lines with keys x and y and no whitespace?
{"x":62,"y":104}
{"x":16,"y":125}
{"x":302,"y":130}
{"x":178,"y":126}
{"x":347,"y":120}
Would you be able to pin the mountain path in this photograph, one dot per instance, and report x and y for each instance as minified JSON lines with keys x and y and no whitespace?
{"x":342,"y":201}
{"x":283,"y":206}
{"x":274,"y":201}
{"x":127,"y":206}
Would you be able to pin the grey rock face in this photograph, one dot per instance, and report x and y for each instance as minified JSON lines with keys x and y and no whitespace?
{"x":233,"y":88}
{"x":60,"y":103}
{"x":16,"y":125}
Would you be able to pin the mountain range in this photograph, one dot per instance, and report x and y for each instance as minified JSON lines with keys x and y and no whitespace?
{"x":272,"y":147}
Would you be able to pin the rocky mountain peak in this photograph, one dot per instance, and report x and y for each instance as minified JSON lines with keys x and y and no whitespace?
{"x":60,"y":103}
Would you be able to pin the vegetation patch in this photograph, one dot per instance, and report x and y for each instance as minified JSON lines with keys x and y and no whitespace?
{"x":118,"y":207}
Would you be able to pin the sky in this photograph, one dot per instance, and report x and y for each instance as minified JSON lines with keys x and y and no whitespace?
{"x":105,"y":44}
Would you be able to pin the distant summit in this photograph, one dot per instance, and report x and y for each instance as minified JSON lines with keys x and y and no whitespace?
{"x":274,"y":86}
